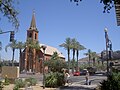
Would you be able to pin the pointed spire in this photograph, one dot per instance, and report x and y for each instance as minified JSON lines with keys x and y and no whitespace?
{"x":33,"y":22}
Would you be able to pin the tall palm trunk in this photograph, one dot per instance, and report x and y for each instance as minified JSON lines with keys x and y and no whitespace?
{"x":13,"y":56}
{"x":30,"y":60}
{"x":20,"y":57}
{"x":77,"y":54}
{"x":89,"y":59}
{"x":102,"y":63}
{"x":98,"y":62}
{"x":73,"y":63}
{"x":68,"y":59}
{"x":94,"y":61}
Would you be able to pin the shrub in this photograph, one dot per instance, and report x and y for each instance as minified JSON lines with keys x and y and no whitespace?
{"x":32,"y":81}
{"x":112,"y":82}
{"x":19,"y":83}
{"x":1,"y":85}
{"x":55,"y":79}
{"x":7,"y":82}
{"x":16,"y":88}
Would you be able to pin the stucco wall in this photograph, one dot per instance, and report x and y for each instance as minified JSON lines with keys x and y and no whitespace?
{"x":10,"y":72}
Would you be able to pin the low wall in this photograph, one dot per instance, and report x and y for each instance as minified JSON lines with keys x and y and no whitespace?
{"x":11,"y":72}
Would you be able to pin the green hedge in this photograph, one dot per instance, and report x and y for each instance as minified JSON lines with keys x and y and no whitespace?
{"x":20,"y":83}
{"x":32,"y":81}
{"x":55,"y":79}
{"x":112,"y":82}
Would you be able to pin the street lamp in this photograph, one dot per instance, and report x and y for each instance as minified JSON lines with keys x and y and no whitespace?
{"x":107,"y":42}
{"x":43,"y":47}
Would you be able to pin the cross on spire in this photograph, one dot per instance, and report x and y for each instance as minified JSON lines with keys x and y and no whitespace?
{"x":33,"y":22}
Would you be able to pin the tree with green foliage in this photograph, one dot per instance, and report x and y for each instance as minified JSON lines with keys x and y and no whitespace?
{"x":31,"y":46}
{"x":20,"y":46}
{"x":89,"y":56}
{"x":55,"y":76}
{"x":55,"y":64}
{"x":13,"y":46}
{"x":73,"y":46}
{"x":8,"y":10}
{"x":79,"y":47}
{"x":67,"y":46}
{"x":108,"y":4}
{"x":54,"y":80}
{"x":94,"y":56}
{"x":112,"y":82}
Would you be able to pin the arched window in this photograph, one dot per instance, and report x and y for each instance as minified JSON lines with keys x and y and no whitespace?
{"x":30,"y":35}
{"x":35,"y":36}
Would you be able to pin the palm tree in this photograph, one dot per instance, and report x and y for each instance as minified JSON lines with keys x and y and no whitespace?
{"x":93,"y":56}
{"x":13,"y":46}
{"x":67,"y":46}
{"x":55,"y":64}
{"x":79,"y":47}
{"x":32,"y":46}
{"x":55,"y":56}
{"x":89,"y":56}
{"x":103,"y":54}
{"x":73,"y":46}
{"x":20,"y":46}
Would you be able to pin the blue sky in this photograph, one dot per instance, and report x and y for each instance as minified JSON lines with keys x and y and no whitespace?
{"x":58,"y":19}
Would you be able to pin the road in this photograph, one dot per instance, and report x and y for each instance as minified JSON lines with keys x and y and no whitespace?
{"x":79,"y":81}
{"x":95,"y":79}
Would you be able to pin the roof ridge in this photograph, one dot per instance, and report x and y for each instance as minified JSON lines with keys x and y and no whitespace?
{"x":51,"y":49}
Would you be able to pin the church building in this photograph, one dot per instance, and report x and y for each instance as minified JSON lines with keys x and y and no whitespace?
{"x":31,"y":58}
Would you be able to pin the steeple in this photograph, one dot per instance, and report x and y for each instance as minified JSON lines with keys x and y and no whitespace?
{"x":33,"y":22}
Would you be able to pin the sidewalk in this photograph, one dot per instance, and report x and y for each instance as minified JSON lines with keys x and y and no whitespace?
{"x":37,"y":87}
{"x":71,"y":87}
{"x":85,"y":86}
{"x":78,"y":86}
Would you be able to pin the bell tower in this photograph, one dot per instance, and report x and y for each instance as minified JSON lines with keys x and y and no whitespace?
{"x":32,"y":32}
{"x":30,"y":53}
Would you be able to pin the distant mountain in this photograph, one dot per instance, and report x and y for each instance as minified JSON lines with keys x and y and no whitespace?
{"x":115,"y":55}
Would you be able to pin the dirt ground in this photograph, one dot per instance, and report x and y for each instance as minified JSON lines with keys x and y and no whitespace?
{"x":37,"y":87}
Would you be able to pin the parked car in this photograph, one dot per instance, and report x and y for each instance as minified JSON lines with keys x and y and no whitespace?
{"x":77,"y":73}
{"x":91,"y":70}
{"x":83,"y":72}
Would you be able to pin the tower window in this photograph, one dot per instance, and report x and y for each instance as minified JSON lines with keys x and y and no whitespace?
{"x":30,"y":35}
{"x":35,"y":36}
